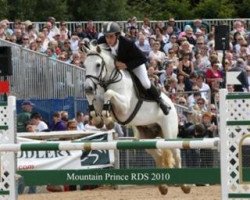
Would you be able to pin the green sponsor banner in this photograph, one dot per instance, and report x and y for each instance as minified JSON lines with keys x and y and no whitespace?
{"x":122,"y":176}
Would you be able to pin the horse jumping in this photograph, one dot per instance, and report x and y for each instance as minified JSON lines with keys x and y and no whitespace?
{"x":111,"y":95}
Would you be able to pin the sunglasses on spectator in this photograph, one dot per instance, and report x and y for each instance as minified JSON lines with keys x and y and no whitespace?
{"x":25,"y":38}
{"x":39,"y":41}
{"x":182,"y":102}
{"x":200,"y":43}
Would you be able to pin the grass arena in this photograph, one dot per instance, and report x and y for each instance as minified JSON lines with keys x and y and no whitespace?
{"x":230,"y":190}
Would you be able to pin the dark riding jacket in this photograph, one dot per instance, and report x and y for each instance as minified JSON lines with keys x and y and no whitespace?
{"x":128,"y":52}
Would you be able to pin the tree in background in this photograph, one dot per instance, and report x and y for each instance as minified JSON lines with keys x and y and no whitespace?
{"x":103,"y":10}
{"x":98,"y":10}
{"x":35,"y":10}
{"x":209,"y":8}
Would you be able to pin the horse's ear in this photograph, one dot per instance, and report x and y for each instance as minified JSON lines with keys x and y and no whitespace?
{"x":85,"y":48}
{"x":98,"y":49}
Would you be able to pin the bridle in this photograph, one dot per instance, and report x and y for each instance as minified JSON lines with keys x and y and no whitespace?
{"x":101,"y":79}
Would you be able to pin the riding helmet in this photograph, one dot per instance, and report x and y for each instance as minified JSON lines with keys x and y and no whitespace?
{"x":111,"y":27}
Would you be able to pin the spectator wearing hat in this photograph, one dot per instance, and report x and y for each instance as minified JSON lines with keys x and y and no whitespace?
{"x":24,"y":117}
{"x":171,"y":22}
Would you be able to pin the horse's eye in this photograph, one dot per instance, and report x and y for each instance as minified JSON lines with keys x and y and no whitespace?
{"x":98,"y":65}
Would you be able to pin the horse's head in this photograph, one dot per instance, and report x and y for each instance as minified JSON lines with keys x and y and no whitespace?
{"x":99,"y":64}
{"x":100,"y":72}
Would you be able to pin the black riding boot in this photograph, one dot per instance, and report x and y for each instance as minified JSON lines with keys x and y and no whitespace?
{"x":153,"y":92}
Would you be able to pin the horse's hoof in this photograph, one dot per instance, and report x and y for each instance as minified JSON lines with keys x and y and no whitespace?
{"x":186,"y":189}
{"x":163,"y":189}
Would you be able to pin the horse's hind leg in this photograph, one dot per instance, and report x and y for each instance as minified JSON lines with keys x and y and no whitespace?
{"x":163,"y":159}
{"x":177,"y":157}
{"x":169,"y":127}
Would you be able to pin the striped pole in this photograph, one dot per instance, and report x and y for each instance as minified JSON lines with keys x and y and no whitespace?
{"x":206,"y":143}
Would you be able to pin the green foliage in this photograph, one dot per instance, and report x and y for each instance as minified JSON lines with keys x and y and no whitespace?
{"x":103,"y":10}
{"x":209,"y":9}
{"x":243,"y":8}
{"x":55,"y":8}
{"x":4,"y":9}
{"x":98,"y":10}
{"x":180,"y":9}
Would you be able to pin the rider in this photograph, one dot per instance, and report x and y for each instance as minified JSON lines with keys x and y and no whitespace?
{"x":128,"y":56}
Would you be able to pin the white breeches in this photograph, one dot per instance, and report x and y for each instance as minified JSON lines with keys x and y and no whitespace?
{"x":142,"y":74}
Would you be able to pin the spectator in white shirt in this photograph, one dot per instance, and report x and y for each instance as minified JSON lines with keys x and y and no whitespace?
{"x":36,"y":119}
{"x":80,"y":121}
{"x":156,"y":54}
{"x":203,"y":87}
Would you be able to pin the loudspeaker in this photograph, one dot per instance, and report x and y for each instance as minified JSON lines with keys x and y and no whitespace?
{"x":222,"y":37}
{"x":6,"y":68}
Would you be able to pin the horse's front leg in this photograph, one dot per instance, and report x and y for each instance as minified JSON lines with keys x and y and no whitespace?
{"x":119,"y":103}
{"x":97,"y":120}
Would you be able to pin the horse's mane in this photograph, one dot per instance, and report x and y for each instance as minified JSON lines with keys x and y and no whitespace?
{"x":100,"y":49}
